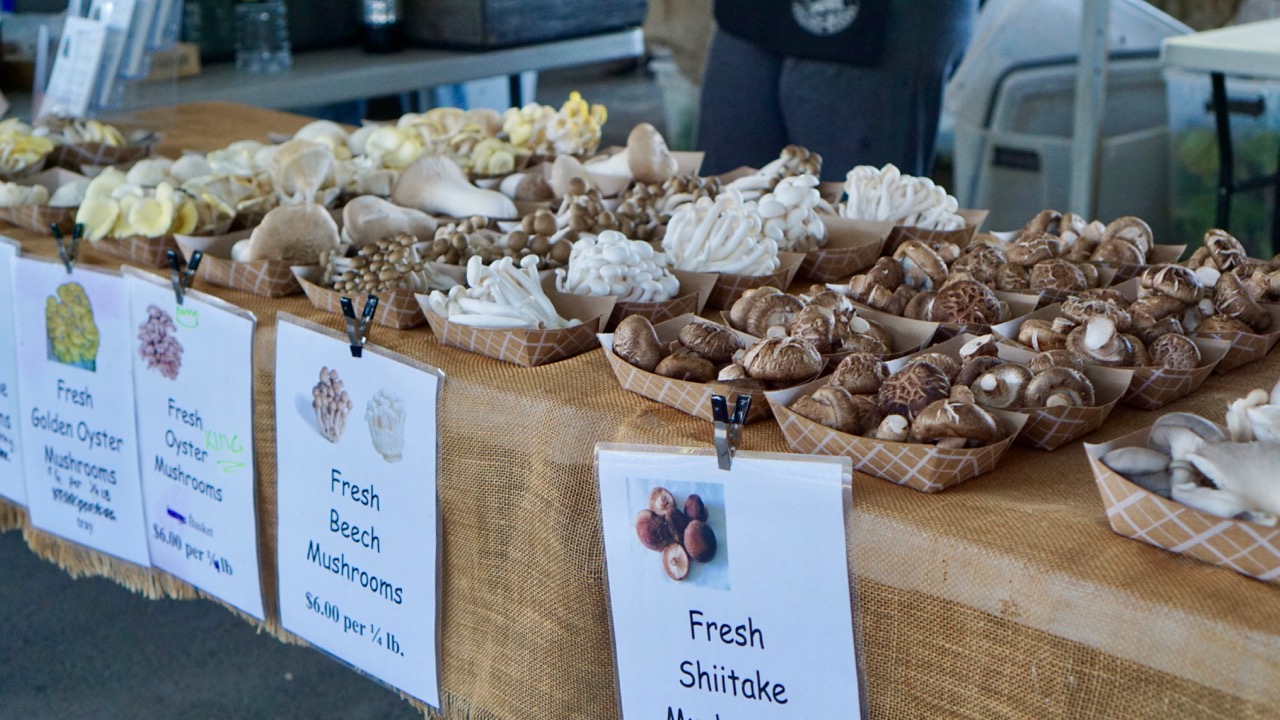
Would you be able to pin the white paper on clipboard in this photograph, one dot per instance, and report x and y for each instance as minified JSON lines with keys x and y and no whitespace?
{"x":75,"y":69}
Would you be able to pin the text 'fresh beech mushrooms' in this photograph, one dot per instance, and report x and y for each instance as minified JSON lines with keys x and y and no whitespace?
{"x":610,"y":264}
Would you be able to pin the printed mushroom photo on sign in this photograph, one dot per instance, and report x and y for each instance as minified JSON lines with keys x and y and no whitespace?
{"x":680,"y":532}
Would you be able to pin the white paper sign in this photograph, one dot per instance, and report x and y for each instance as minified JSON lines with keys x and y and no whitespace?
{"x":11,"y":483}
{"x":358,"y":540}
{"x":75,"y":364}
{"x":193,"y":374}
{"x":749,"y":614}
{"x":75,"y":68}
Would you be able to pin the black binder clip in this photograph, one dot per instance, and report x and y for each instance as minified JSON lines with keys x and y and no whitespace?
{"x":727,"y":427}
{"x":68,"y":251}
{"x":358,"y":327}
{"x":182,"y":277}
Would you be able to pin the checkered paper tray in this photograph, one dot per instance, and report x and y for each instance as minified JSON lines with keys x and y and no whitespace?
{"x":1245,"y":547}
{"x":528,"y":348}
{"x":926,"y":468}
{"x":691,"y":397}
{"x":973,"y":220}
{"x":852,"y":246}
{"x":38,"y":218}
{"x":267,"y":278}
{"x":98,"y":155}
{"x":695,"y":290}
{"x":396,"y":309}
{"x":1160,"y":254}
{"x":144,"y":251}
{"x":1247,"y":347}
{"x":729,"y":288}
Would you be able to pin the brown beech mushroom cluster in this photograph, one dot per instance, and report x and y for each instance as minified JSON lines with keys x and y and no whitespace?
{"x":382,"y":265}
{"x":648,"y":207}
{"x":706,"y":352}
{"x":680,"y":532}
{"x":919,"y":403}
{"x":538,"y":235}
{"x":933,"y":282}
{"x":822,"y":317}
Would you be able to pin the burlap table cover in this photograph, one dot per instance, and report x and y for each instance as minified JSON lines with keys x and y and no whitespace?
{"x":1007,"y":596}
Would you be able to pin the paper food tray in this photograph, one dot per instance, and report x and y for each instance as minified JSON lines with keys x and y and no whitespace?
{"x":267,"y":278}
{"x":34,"y":168}
{"x":691,"y":397}
{"x":1247,"y":347}
{"x":695,"y":290}
{"x":396,"y":309}
{"x":144,"y":251}
{"x":528,"y":348}
{"x":729,"y":288}
{"x":1160,"y":254}
{"x":852,"y":246}
{"x":76,"y":157}
{"x":1245,"y":547}
{"x":38,"y":218}
{"x":922,"y":467}
{"x":973,"y":220}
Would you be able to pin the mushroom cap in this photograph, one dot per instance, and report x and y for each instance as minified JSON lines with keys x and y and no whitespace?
{"x":1035,"y":249}
{"x":945,"y":363}
{"x":975,"y":366}
{"x":1003,"y":386}
{"x":1059,"y":386}
{"x":1163,"y":432}
{"x":850,"y":341}
{"x":565,"y":169}
{"x":771,"y":309}
{"x":368,"y":218}
{"x":1057,"y":274}
{"x":920,"y":307}
{"x":885,"y":272}
{"x":1180,"y":283}
{"x":435,"y":184}
{"x":686,"y":366}
{"x":966,"y":302}
{"x":980,"y":345}
{"x":1041,"y":335}
{"x":954,"y":419}
{"x":713,"y":342}
{"x":1042,"y":222}
{"x":912,"y":388}
{"x":817,"y":324}
{"x":921,"y":265}
{"x":296,"y":234}
{"x":1061,"y":357}
{"x":647,"y":155}
{"x":860,"y":373}
{"x":1081,"y":309}
{"x":783,"y":360}
{"x":298,"y":169}
{"x":635,"y":341}
{"x":982,"y":261}
{"x":1227,"y":252}
{"x":1246,"y":469}
{"x":1222,"y":325}
{"x":1011,"y":277}
{"x":1174,"y":352}
{"x":893,"y":428}
{"x":1118,"y":252}
{"x":1100,"y":342}
{"x":838,"y":409}
{"x":1152,"y":307}
{"x":1133,"y":230}
{"x":741,"y":307}
{"x":1233,"y":300}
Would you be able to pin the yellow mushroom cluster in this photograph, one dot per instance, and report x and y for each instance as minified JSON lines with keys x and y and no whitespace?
{"x":73,"y":336}
{"x":20,"y":148}
{"x":573,"y":130}
{"x":114,"y":207}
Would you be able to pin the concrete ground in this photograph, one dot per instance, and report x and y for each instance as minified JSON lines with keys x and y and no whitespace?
{"x":90,"y":650}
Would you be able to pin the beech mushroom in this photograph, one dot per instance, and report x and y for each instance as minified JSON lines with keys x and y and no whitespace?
{"x":610,"y":264}
{"x":437,"y":185}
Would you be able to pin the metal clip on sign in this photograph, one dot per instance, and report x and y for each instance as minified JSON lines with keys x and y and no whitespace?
{"x":728,"y":427}
{"x":68,"y":252}
{"x":358,"y":328}
{"x":180,"y":277}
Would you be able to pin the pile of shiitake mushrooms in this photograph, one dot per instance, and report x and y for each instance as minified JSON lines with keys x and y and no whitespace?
{"x":680,"y":533}
{"x":822,"y":317}
{"x":706,"y":352}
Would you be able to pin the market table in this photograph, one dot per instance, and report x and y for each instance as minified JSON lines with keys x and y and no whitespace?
{"x":1007,"y":596}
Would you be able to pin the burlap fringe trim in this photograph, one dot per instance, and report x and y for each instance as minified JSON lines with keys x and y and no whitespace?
{"x":12,"y":517}
{"x":452,"y":707}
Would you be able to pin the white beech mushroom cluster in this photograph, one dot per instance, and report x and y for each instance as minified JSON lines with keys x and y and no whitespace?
{"x":822,"y":317}
{"x":502,"y":295}
{"x":707,"y":352}
{"x":724,"y":235}
{"x":790,"y":214}
{"x":332,"y":404}
{"x":793,"y":160}
{"x":157,"y":344}
{"x":385,"y":415}
{"x":1222,"y":254}
{"x":610,"y":264}
{"x":1193,"y":461}
{"x":889,"y":195}
{"x":920,"y":403}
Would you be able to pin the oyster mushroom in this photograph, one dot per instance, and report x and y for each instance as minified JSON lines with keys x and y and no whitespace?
{"x":948,"y":420}
{"x":1178,"y":435}
{"x":435,"y":184}
{"x":296,"y":234}
{"x":299,"y":168}
{"x":1144,"y":467}
{"x":1239,"y":424}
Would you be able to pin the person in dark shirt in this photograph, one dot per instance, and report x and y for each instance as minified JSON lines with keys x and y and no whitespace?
{"x":857,"y":81}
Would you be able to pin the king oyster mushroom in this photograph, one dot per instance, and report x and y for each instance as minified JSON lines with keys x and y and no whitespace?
{"x":369,"y":218}
{"x":435,"y":184}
